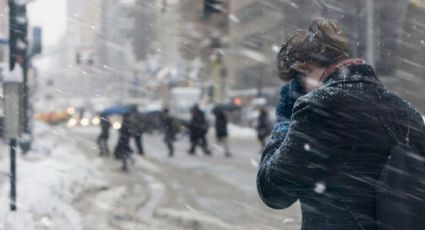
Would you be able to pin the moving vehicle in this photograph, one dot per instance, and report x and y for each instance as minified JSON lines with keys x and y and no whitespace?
{"x":181,"y":101}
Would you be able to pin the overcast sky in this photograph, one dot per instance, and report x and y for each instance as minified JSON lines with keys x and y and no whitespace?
{"x":51,"y":15}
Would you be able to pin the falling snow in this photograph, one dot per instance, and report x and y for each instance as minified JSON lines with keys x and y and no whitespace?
{"x":99,"y":56}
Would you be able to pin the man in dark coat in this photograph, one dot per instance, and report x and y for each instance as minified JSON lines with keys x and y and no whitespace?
{"x":198,"y":128}
{"x":137,"y":128}
{"x":221,"y":130}
{"x":171,"y":128}
{"x":102,"y":140}
{"x":122,"y":150}
{"x":329,"y":146}
{"x":263,"y":126}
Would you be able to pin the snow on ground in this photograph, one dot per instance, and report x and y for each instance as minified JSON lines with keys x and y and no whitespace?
{"x":192,"y":220}
{"x":238,"y":132}
{"x":56,"y":175}
{"x":48,"y":179}
{"x":241,"y":132}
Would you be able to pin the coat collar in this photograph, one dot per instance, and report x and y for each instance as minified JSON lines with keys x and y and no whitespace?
{"x":352,"y":72}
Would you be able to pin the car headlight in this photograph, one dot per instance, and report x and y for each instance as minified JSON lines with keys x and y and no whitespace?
{"x":85,"y":122}
{"x":72,"y":122}
{"x":70,"y":110}
{"x":116,"y":125}
{"x":95,"y":121}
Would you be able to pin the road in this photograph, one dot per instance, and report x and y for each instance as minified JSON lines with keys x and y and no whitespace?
{"x":183,"y":192}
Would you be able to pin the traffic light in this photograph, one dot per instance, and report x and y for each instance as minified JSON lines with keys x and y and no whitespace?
{"x":18,"y":29}
{"x":212,"y":7}
{"x":37,"y":45}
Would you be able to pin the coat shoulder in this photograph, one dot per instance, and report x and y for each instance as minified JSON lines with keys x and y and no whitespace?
{"x":325,"y":97}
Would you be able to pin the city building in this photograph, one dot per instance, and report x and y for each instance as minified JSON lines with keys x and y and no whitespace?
{"x":144,"y":28}
{"x":4,"y":32}
{"x":409,"y":79}
{"x":3,"y":52}
{"x":203,"y":45}
{"x":257,"y":29}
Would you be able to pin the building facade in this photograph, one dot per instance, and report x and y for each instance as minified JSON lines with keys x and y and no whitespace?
{"x":389,"y":36}
{"x":256,"y":33}
{"x":144,"y":33}
{"x":204,"y":36}
{"x":4,"y":32}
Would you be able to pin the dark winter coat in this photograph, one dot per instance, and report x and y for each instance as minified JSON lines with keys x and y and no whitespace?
{"x":123,"y":145}
{"x":220,"y":124}
{"x":171,"y":127}
{"x":126,"y":125}
{"x":335,"y":149}
{"x":137,"y":123}
{"x":198,"y":124}
{"x":105,"y":125}
{"x":263,"y":125}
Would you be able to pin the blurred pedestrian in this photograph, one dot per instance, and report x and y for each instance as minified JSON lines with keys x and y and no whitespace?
{"x":137,"y":128}
{"x":221,"y":131}
{"x":171,"y":127}
{"x":102,"y":139}
{"x":263,"y":126}
{"x":122,"y":149}
{"x":198,"y":128}
{"x":330,"y":148}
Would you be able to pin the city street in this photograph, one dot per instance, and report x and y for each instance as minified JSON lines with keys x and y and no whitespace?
{"x":103,"y":101}
{"x":198,"y":192}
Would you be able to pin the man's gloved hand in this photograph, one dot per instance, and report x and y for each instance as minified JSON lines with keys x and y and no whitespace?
{"x":288,"y":96}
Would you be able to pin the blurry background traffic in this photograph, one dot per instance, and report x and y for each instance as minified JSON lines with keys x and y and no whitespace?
{"x":174,"y":53}
{"x":83,"y":60}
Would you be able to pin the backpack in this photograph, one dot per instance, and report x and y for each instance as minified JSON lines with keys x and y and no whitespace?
{"x":400,"y":189}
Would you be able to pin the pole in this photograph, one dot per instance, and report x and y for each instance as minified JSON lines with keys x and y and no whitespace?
{"x":370,"y":32}
{"x":13,"y":174}
{"x":223,"y":85}
{"x":25,"y":96}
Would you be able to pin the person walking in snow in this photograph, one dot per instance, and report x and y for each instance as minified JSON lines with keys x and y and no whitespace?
{"x":263,"y":126}
{"x":331,"y":139}
{"x":122,"y":149}
{"x":137,"y":128}
{"x":171,"y":127}
{"x":221,"y":131}
{"x":198,"y":128}
{"x":102,"y":139}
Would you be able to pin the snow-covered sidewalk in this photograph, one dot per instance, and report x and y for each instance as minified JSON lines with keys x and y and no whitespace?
{"x":64,"y":184}
{"x":49,"y":178}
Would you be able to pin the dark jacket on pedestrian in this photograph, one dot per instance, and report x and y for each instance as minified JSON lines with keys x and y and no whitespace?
{"x":220,"y":124}
{"x":263,"y":124}
{"x":198,"y":124}
{"x":137,"y":123}
{"x":171,"y":127}
{"x":105,"y":125}
{"x":334,"y":150}
{"x":126,"y":124}
{"x":123,"y":146}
